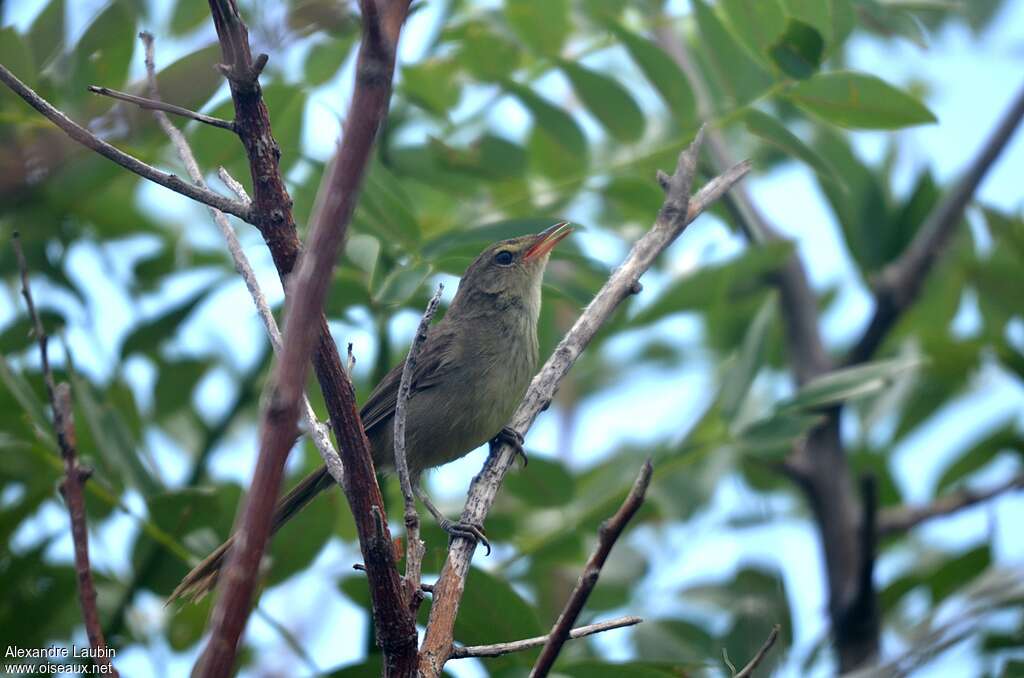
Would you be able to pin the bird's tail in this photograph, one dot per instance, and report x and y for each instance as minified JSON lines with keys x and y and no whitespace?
{"x":203,"y":576}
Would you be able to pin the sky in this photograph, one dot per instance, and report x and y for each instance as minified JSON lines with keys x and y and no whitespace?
{"x":973,"y":81}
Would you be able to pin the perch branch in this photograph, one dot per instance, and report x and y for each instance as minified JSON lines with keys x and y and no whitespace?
{"x":414,"y":548}
{"x":75,"y":475}
{"x":902,"y":518}
{"x":748,"y":670}
{"x":317,"y":431}
{"x":305,"y":328}
{"x":499,"y":649}
{"x":899,"y":284}
{"x":678,"y":210}
{"x":609,"y":533}
{"x":157,"y":105}
{"x":129,"y":162}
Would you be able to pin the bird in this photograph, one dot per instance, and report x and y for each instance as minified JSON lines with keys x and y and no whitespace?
{"x":472,"y":371}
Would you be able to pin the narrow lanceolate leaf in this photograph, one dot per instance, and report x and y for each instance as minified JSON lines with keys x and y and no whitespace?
{"x":858,"y":100}
{"x":557,"y":140}
{"x":757,"y":23}
{"x":775,"y":133}
{"x":607,"y":100}
{"x":662,"y":73}
{"x":736,"y":73}
{"x":748,"y":361}
{"x":834,"y":19}
{"x":799,"y":50}
{"x":846,"y":384}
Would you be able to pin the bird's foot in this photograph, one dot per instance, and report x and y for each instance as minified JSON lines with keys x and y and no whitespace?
{"x":514,"y":438}
{"x":465,"y":530}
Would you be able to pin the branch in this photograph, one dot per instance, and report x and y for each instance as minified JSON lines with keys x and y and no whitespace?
{"x":748,"y":670}
{"x":682,"y":209}
{"x":157,"y":105}
{"x":606,"y":538}
{"x":75,"y":475}
{"x":857,"y":622}
{"x":306,"y":328}
{"x":317,"y":431}
{"x":900,"y":283}
{"x":129,"y":162}
{"x":499,"y":649}
{"x":414,"y":548}
{"x":902,"y":518}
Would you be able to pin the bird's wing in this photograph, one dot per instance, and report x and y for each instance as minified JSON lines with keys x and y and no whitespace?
{"x":433,"y":361}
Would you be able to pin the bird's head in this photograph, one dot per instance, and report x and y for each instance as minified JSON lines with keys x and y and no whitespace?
{"x":508,"y":274}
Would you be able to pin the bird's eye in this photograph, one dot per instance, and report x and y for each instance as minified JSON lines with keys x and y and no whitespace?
{"x":503,"y":258}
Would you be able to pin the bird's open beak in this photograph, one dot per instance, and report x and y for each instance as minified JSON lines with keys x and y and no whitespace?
{"x":546,"y":240}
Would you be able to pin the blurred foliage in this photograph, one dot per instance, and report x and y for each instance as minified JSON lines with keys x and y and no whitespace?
{"x":510,"y":115}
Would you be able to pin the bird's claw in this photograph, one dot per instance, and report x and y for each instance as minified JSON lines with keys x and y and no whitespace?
{"x":466,"y":531}
{"x":514,"y":438}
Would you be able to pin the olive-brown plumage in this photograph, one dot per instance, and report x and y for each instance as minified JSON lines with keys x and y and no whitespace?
{"x":473,"y":370}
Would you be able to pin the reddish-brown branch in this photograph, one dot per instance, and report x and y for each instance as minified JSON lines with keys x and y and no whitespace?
{"x":606,"y":538}
{"x":129,"y":162}
{"x":75,"y":475}
{"x":305,"y":327}
{"x":899,"y":284}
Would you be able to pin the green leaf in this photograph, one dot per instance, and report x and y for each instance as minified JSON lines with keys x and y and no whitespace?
{"x":757,"y":23}
{"x":556,"y":142}
{"x":188,"y":14}
{"x":675,"y":640}
{"x":834,"y":19}
{"x":719,"y":284}
{"x":45,"y":35}
{"x":17,"y":57}
{"x":775,"y":434}
{"x":740,"y":376}
{"x":103,"y":54}
{"x":490,"y":157}
{"x":981,"y":454}
{"x":594,"y":668}
{"x":846,"y":384}
{"x":547,"y":484}
{"x":324,"y":59}
{"x":477,"y":623}
{"x":489,"y":56}
{"x":736,"y":73}
{"x":775,"y":133}
{"x":176,"y":383}
{"x":798,"y":52}
{"x":20,"y":334}
{"x":468,"y":243}
{"x":400,"y":284}
{"x":431,"y":85}
{"x":26,"y":398}
{"x":957,"y":572}
{"x":542,"y":26}
{"x":858,"y":100}
{"x":662,"y":73}
{"x":150,"y":334}
{"x":609,"y":101}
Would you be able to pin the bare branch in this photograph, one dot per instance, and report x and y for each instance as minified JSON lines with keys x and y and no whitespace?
{"x":157,"y":105}
{"x":449,"y":588}
{"x":499,"y":649}
{"x":414,"y":547}
{"x":317,"y":431}
{"x":899,"y":284}
{"x":75,"y":475}
{"x":606,"y":538}
{"x":902,"y":518}
{"x":305,"y":328}
{"x":748,"y":670}
{"x":129,"y":162}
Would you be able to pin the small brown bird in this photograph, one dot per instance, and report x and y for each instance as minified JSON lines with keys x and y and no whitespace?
{"x":473,"y":369}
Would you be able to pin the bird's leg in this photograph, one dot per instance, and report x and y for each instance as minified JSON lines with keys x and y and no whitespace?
{"x":514,"y":438}
{"x":454,"y":529}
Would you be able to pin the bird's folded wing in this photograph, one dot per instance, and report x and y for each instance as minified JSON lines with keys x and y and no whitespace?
{"x":433,"y":362}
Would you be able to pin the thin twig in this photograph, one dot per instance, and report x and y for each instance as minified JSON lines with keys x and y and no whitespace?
{"x":902,"y":518}
{"x":317,"y":431}
{"x":899,"y":284}
{"x":499,"y":649}
{"x":157,"y":105}
{"x":75,"y":475}
{"x":748,"y":670}
{"x":681,"y":210}
{"x":414,"y":547}
{"x":609,"y":533}
{"x":305,"y":329}
{"x":129,"y":162}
